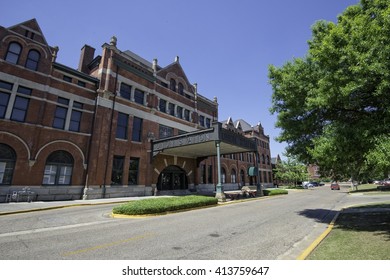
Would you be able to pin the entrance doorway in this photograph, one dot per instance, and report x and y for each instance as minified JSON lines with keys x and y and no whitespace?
{"x":172,"y":178}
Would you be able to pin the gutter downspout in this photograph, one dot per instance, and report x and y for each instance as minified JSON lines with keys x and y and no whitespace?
{"x":110,"y":137}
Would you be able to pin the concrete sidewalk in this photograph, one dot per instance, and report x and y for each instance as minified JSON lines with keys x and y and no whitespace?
{"x":23,"y":207}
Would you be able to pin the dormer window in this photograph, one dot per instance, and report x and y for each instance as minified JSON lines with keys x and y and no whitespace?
{"x":180,"y":88}
{"x":33,"y":60}
{"x":172,"y":85}
{"x":13,"y":53}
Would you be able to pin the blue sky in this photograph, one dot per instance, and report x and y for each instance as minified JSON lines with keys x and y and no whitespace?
{"x":224,"y":46}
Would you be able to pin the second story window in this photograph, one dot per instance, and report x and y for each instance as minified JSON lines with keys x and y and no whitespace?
{"x":125,"y":91}
{"x":33,"y":60}
{"x":137,"y":130}
{"x":4,"y":97}
{"x":139,"y":96}
{"x":163,"y":106}
{"x":20,"y":107}
{"x":171,"y":109}
{"x":187,"y":115}
{"x":13,"y":53}
{"x":121,"y":128}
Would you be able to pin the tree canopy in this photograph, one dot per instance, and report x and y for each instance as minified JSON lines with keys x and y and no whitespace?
{"x":333,"y":103}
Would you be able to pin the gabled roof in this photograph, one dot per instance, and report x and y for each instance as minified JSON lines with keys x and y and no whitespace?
{"x":30,"y":26}
{"x":177,"y":69}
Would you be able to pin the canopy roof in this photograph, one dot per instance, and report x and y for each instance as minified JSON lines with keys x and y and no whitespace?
{"x":202,"y":143}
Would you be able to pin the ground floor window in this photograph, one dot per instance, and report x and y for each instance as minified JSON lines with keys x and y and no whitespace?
{"x":7,"y":164}
{"x":58,"y":169}
{"x":133,"y":171}
{"x":117,"y":170}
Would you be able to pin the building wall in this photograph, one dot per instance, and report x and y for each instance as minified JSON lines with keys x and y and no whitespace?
{"x":93,"y":93}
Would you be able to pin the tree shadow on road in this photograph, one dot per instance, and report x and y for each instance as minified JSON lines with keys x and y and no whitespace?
{"x":319,"y":215}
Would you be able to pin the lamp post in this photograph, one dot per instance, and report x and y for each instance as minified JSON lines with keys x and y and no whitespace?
{"x":220,"y":195}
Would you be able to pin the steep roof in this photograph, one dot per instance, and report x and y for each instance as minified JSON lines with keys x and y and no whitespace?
{"x":30,"y":29}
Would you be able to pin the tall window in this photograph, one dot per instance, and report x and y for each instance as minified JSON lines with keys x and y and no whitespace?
{"x":180,"y":89}
{"x":60,"y":114}
{"x":33,"y":60}
{"x":7,"y":164}
{"x":201,"y":121}
{"x":13,"y":53}
{"x":139,"y":96}
{"x":179,"y":112}
{"x":19,"y":110}
{"x":233,"y":176}
{"x":163,"y":106}
{"x":187,"y":115}
{"x":172,"y":85}
{"x":75,"y":117}
{"x":203,"y":174}
{"x":122,"y":124}
{"x":125,"y":91}
{"x":210,"y":174}
{"x":171,"y":109}
{"x":117,"y":170}
{"x":133,"y":171}
{"x":242,"y":177}
{"x":137,"y":130}
{"x":223,"y":175}
{"x":58,"y":169}
{"x":4,"y":98}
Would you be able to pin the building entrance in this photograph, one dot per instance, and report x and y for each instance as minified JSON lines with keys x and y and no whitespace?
{"x":172,"y":178}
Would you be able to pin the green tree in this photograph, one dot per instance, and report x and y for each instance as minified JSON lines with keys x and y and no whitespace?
{"x":291,"y":171}
{"x":332,"y":102}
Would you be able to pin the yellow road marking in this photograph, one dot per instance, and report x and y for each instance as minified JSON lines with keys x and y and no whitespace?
{"x":316,"y":242}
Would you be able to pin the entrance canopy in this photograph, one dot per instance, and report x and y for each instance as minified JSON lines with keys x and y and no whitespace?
{"x":202,"y":143}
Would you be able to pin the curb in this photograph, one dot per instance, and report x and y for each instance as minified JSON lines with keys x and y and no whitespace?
{"x":316,"y":242}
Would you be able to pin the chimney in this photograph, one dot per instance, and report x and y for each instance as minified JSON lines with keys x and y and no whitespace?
{"x":86,"y":56}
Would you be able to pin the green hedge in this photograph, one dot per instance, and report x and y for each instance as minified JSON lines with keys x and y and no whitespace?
{"x":163,"y":204}
{"x":274,"y":192}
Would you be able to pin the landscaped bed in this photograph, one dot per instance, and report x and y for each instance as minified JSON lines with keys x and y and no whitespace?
{"x":164,"y":205}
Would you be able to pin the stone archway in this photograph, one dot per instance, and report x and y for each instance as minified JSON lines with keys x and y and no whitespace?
{"x":172,"y":178}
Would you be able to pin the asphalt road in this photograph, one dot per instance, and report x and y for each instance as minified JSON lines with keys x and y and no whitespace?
{"x":272,"y":228}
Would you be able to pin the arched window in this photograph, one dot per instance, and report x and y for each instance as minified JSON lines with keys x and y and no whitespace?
{"x":13,"y":53}
{"x":223,"y":175}
{"x":58,"y":169}
{"x":233,"y":176}
{"x":180,"y":88}
{"x":33,"y":60}
{"x":172,"y":85}
{"x":242,"y":177}
{"x":7,"y":164}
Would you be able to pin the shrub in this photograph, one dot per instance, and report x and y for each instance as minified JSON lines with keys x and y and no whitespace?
{"x":163,"y":204}
{"x":274,"y":192}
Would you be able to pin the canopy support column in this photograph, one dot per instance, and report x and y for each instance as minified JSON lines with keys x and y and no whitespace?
{"x":220,"y":195}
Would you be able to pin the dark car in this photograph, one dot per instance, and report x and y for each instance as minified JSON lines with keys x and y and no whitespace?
{"x":334,"y":186}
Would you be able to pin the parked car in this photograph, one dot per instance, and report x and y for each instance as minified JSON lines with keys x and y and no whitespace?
{"x":386,"y":182}
{"x":334,"y":186}
{"x":312,"y":184}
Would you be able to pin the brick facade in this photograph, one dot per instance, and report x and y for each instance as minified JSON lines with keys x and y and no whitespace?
{"x":86,"y":133}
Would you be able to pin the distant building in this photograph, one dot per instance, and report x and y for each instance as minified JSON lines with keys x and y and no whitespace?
{"x":118,"y":125}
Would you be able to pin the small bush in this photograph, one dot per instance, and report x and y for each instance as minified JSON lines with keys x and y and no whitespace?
{"x":274,"y":192}
{"x":163,"y":204}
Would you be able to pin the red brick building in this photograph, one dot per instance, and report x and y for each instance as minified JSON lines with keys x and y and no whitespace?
{"x":89,"y":132}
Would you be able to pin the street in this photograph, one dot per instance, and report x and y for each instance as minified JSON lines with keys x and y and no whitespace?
{"x":271,"y":228}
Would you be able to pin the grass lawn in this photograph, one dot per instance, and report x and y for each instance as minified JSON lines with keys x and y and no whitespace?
{"x":357,"y":236}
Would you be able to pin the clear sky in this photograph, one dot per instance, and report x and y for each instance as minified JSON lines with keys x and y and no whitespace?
{"x":225,"y":46}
